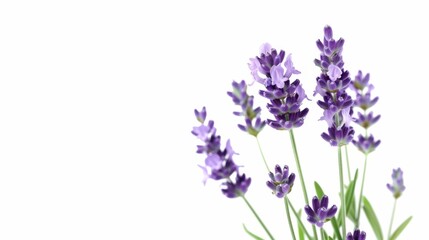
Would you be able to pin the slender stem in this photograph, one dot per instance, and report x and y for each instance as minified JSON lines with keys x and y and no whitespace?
{"x":343,"y":206}
{"x":299,"y":220}
{"x":262,"y":153}
{"x":298,"y":165}
{"x":321,"y":234}
{"x":361,"y":192}
{"x":348,"y":164}
{"x":301,"y":176}
{"x":288,"y":218}
{"x":391,"y":219}
{"x":257,"y":217}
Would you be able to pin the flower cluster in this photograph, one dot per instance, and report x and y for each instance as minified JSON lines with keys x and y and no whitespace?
{"x":331,"y":85}
{"x":364,"y":101}
{"x":219,"y":164}
{"x":273,"y":70}
{"x":252,"y":118}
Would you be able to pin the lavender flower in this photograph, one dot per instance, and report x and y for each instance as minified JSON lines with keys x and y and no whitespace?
{"x":366,"y":144}
{"x":357,"y":235}
{"x":219,"y":164}
{"x":366,"y":120}
{"x":252,"y":118}
{"x":238,"y":188}
{"x":398,"y":183}
{"x":331,"y":85}
{"x":281,"y":182}
{"x":320,"y":213}
{"x":274,"y":71}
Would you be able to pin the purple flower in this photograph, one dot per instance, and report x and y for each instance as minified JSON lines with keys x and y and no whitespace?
{"x":237,"y":188}
{"x":285,"y":96}
{"x":252,"y":119}
{"x":331,"y":85}
{"x":366,"y":120}
{"x":281,"y":182}
{"x":357,"y":235}
{"x":398,"y":183}
{"x":366,"y":144}
{"x":320,"y":213}
{"x":219,"y":163}
{"x":360,"y":82}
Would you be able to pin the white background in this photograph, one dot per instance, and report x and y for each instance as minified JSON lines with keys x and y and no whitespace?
{"x":97,"y":100}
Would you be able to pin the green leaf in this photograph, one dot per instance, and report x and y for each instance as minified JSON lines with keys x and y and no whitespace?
{"x":400,"y":228}
{"x":298,"y":218}
{"x":372,"y":218}
{"x":319,"y":190}
{"x":336,"y":228}
{"x":350,"y":194}
{"x":349,"y":197}
{"x":252,"y":234}
{"x":300,"y":227}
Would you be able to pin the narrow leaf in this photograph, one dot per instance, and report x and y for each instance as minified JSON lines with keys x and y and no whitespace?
{"x":372,"y":218}
{"x":319,"y":190}
{"x":300,"y":229}
{"x":252,"y":234}
{"x":350,"y":195}
{"x":400,"y":228}
{"x":336,"y":228}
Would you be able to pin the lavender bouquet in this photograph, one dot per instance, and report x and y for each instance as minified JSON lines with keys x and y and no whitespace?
{"x":345,"y":103}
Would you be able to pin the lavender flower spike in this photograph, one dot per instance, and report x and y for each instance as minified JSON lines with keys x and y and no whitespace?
{"x":274,"y":70}
{"x":281,"y":182}
{"x":320,"y":213}
{"x":398,"y":183}
{"x":252,"y":118}
{"x":357,"y":235}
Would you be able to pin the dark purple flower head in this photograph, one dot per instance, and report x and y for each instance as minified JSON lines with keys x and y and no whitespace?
{"x":281,"y":181}
{"x":398,"y":183}
{"x":320,"y":213}
{"x":237,"y":188}
{"x":252,"y":118}
{"x":329,"y":84}
{"x":366,"y":144}
{"x":360,"y":82}
{"x":357,"y":235}
{"x":338,"y":137}
{"x":285,"y":96}
{"x":366,"y":121}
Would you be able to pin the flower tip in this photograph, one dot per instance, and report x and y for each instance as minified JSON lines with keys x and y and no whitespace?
{"x":328,"y":32}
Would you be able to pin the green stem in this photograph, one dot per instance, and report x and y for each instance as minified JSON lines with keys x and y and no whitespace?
{"x":361,"y":192}
{"x":262,"y":153}
{"x":299,"y":220}
{"x":301,"y":177}
{"x":348,"y":164}
{"x":288,"y":218}
{"x":391,"y":219}
{"x":321,"y":234}
{"x":343,"y":206}
{"x":257,"y":217}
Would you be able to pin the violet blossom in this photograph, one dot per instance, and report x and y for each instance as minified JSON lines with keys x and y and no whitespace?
{"x":253,"y":123}
{"x":218,"y":164}
{"x":320,"y":213}
{"x":397,"y":187}
{"x":331,"y":85}
{"x":274,"y":70}
{"x":281,"y":181}
{"x":357,"y":235}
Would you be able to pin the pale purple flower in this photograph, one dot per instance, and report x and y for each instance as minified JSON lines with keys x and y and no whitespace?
{"x":397,"y":187}
{"x":367,"y":120}
{"x":253,"y":122}
{"x":281,"y":181}
{"x":366,"y":144}
{"x":320,"y":213}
